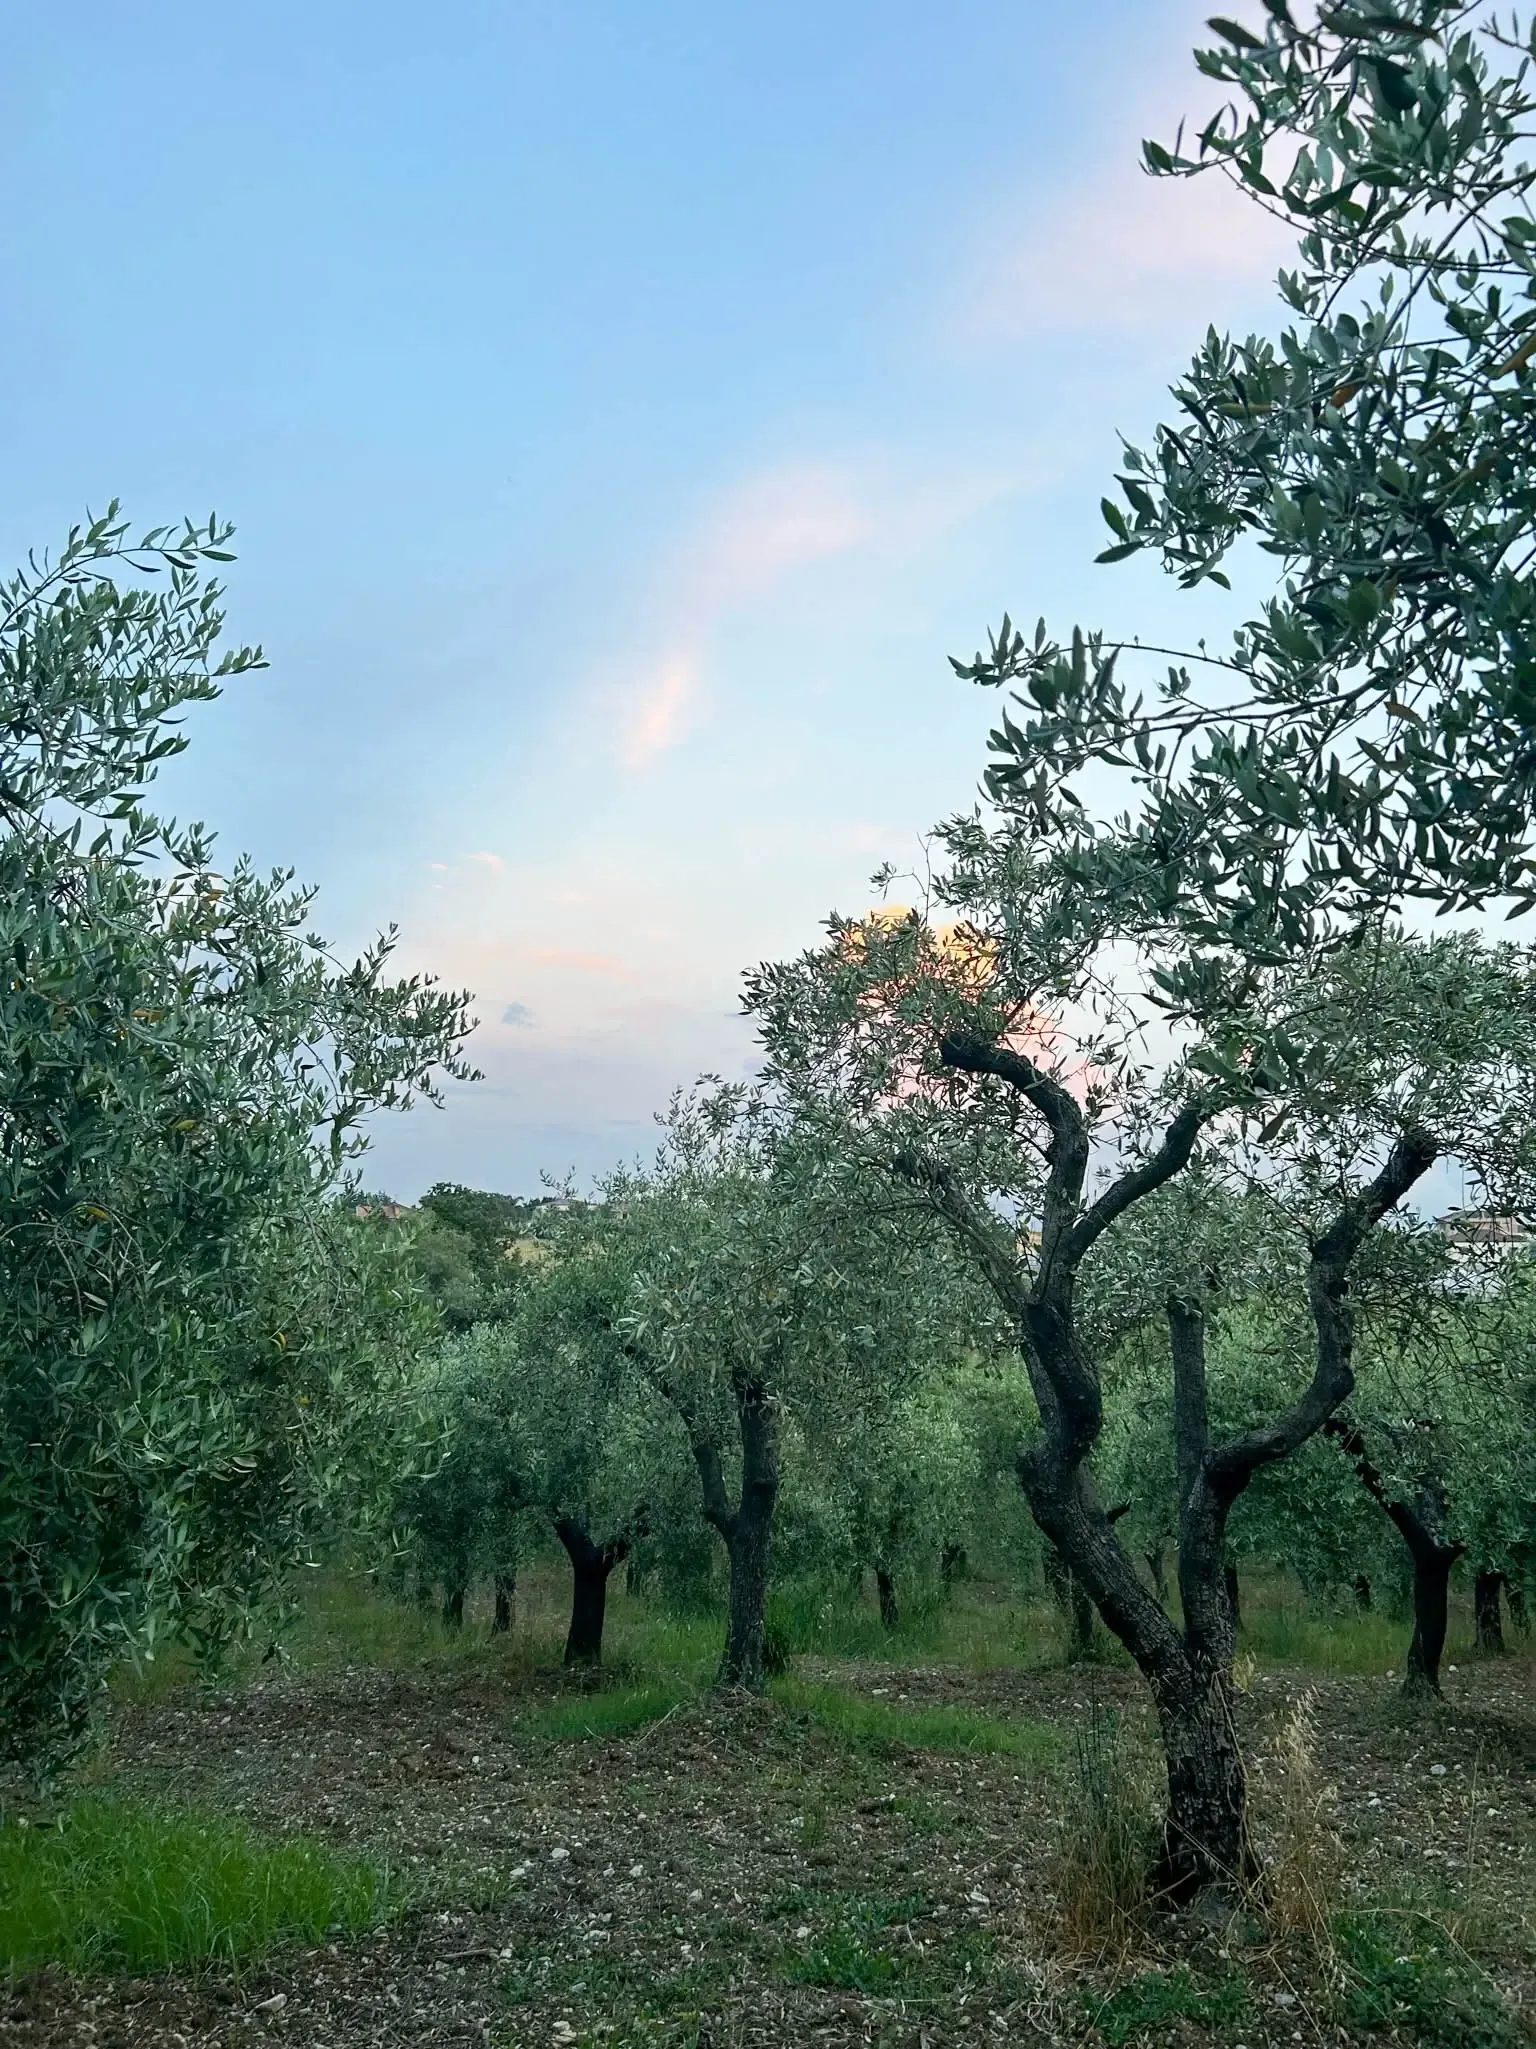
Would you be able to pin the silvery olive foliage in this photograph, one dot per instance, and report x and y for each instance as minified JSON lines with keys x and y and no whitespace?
{"x":1367,"y":475}
{"x":193,"y":1331}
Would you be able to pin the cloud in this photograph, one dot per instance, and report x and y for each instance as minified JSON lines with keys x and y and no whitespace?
{"x":492,"y":861}
{"x":1122,"y":253}
{"x":519,"y":1015}
{"x":1114,"y":251}
{"x":660,"y":716}
{"x":755,"y":538}
{"x":581,"y":963}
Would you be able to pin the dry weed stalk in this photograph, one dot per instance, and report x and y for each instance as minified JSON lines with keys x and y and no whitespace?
{"x":1108,"y":1838}
{"x":1306,"y":1866}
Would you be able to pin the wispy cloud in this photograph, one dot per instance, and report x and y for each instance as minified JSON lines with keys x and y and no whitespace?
{"x":1113,"y":251}
{"x":1121,"y":253}
{"x":660,"y":716}
{"x":760,"y":534}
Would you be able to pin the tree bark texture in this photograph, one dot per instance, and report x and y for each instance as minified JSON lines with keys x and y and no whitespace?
{"x":750,"y":1537}
{"x":590,"y":1566}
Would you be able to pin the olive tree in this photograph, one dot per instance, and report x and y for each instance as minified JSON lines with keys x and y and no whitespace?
{"x":1438,"y":1433}
{"x":981,"y":1065}
{"x":1368,"y":735}
{"x":184,"y":1075}
{"x":769,"y":1288}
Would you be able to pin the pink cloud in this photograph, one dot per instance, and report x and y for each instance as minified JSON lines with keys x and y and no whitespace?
{"x":660,"y":716}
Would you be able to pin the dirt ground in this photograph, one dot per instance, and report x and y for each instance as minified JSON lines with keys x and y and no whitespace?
{"x":734,"y":1874}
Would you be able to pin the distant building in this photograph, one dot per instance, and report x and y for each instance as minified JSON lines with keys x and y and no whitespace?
{"x":1471,"y":1232}
{"x":390,"y":1210}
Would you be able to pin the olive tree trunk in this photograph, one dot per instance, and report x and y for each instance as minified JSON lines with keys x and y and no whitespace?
{"x":1419,"y":1520}
{"x":1188,"y":1671}
{"x":506,"y":1599}
{"x":591,"y":1565}
{"x":746,"y":1530}
{"x":1488,"y":1611}
{"x":885,"y":1587}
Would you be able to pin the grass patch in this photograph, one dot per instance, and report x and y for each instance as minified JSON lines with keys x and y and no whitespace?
{"x":1405,"y":1975}
{"x":1157,"y":1997}
{"x":119,"y":1886}
{"x":612,"y":1711}
{"x":843,"y":1960}
{"x":868,"y":1724}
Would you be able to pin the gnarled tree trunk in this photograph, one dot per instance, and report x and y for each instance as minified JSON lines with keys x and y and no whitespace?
{"x":1421,"y":1524}
{"x":1188,"y":1672}
{"x":590,"y":1566}
{"x":1419,"y":1520}
{"x":747,"y":1529}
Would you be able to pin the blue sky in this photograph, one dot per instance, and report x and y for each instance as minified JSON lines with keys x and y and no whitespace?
{"x":625,"y":411}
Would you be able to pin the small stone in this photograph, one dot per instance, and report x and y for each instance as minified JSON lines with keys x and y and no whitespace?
{"x":559,"y":1856}
{"x":637,"y":1871}
{"x":1437,"y":1771}
{"x":802,"y":1931}
{"x":273,"y":2005}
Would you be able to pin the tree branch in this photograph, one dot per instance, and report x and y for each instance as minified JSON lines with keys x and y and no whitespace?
{"x":1232,"y":1466}
{"x":1066,"y":1155}
{"x":1171,"y":1157}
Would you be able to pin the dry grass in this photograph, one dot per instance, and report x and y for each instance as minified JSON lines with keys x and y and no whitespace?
{"x":1108,"y":1840}
{"x":1304,"y":1860}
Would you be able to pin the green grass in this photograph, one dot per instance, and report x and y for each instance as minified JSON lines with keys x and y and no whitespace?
{"x":1406,"y":1976}
{"x":113,"y":1885}
{"x":1157,"y":1997}
{"x":612,"y":1711}
{"x":868,"y":1724}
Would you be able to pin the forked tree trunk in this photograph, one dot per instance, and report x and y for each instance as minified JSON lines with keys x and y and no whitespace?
{"x":506,"y":1597}
{"x":885,"y":1587}
{"x":1420,"y":1522}
{"x":1205,"y":1839}
{"x":1488,"y":1609}
{"x":590,"y":1566}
